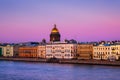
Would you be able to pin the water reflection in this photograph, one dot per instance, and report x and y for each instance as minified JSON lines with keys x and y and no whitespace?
{"x":10,"y":70}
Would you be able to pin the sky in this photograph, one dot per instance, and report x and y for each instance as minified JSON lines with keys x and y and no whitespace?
{"x":82,"y":20}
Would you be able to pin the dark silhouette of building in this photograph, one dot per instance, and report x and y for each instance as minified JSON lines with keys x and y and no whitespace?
{"x":43,"y":41}
{"x":55,"y":35}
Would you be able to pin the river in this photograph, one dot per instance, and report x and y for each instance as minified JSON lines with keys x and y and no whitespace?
{"x":10,"y":70}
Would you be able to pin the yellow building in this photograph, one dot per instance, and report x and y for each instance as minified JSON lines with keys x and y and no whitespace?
{"x":115,"y":51}
{"x":8,"y":51}
{"x":106,"y":52}
{"x":101,"y":52}
{"x":84,"y":51}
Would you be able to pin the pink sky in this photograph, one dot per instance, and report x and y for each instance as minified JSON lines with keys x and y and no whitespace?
{"x":82,"y":20}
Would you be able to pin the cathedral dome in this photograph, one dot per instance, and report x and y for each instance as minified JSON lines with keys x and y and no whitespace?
{"x":55,"y":30}
{"x":55,"y":35}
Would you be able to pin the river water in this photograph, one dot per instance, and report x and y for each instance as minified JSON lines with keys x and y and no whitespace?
{"x":10,"y":70}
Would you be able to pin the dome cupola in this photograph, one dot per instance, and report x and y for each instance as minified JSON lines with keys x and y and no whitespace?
{"x":55,"y":35}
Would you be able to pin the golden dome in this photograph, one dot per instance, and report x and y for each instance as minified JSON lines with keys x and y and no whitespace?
{"x":55,"y":35}
{"x":54,"y":30}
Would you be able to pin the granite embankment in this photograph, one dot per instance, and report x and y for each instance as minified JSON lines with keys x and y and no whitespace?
{"x":63,"y":61}
{"x":24,"y":59}
{"x":92,"y":62}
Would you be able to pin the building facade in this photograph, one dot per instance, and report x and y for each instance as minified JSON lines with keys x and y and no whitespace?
{"x":1,"y":50}
{"x":8,"y":51}
{"x":106,"y":52}
{"x":61,"y":50}
{"x":84,"y":51}
{"x":101,"y":52}
{"x":16,"y":50}
{"x":42,"y":51}
{"x":115,"y":51}
{"x":28,"y":51}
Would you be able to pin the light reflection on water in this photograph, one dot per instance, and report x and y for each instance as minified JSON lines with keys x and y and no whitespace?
{"x":10,"y":70}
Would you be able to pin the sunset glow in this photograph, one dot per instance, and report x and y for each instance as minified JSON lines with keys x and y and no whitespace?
{"x":82,"y":20}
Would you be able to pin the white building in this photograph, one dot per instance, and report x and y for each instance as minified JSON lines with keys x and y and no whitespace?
{"x":8,"y":51}
{"x":61,"y":50}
